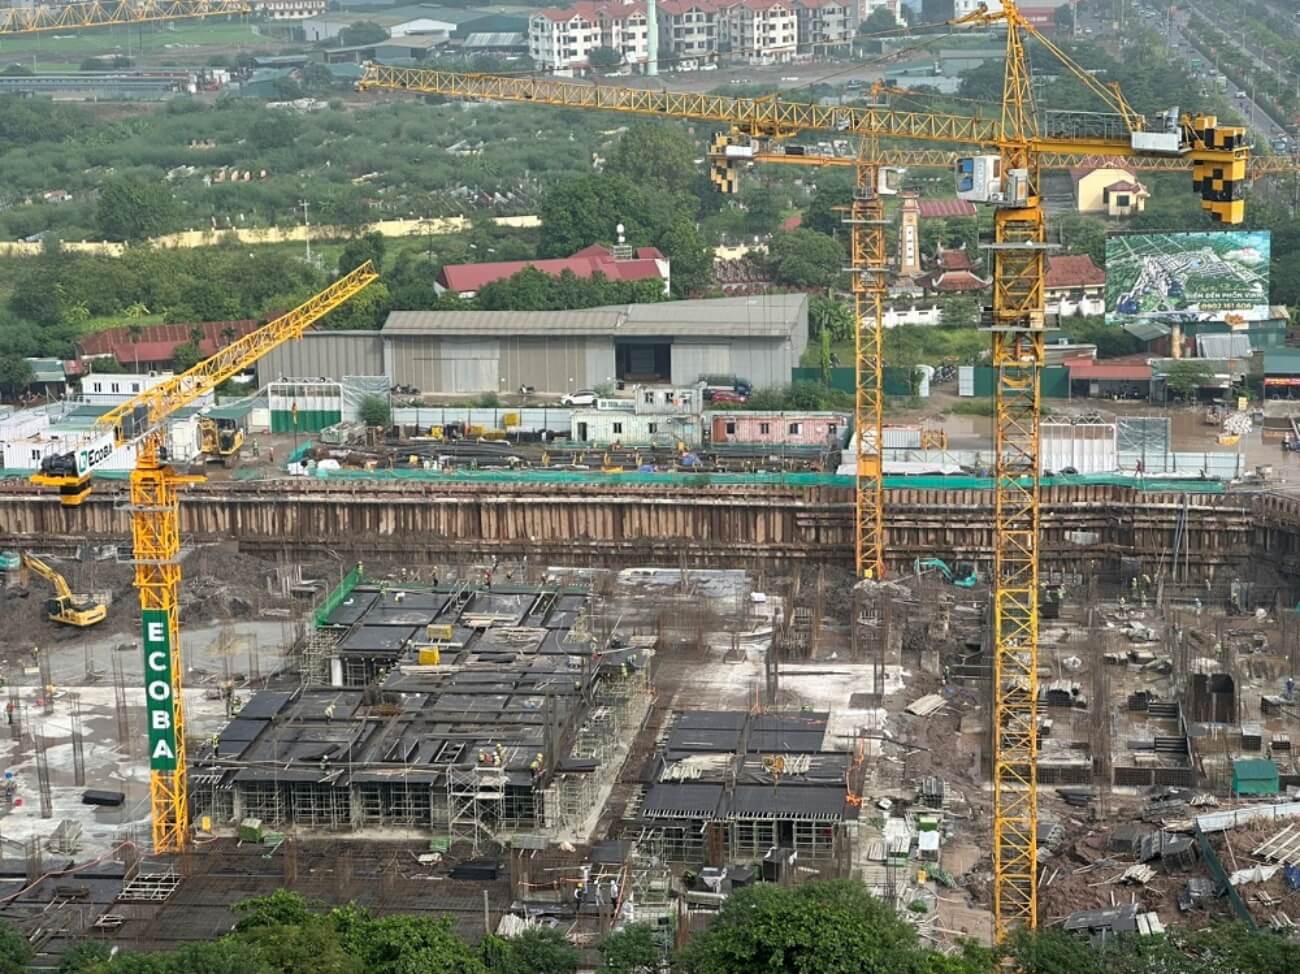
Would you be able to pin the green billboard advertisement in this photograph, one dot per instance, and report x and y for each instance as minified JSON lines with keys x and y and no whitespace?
{"x":158,"y":690}
{"x":1186,"y":277}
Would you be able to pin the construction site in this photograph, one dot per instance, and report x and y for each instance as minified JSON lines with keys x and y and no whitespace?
{"x":531,"y":732}
{"x":520,"y":689}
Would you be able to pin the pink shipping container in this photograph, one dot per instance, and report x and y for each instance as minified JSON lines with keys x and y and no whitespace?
{"x":777,"y":429}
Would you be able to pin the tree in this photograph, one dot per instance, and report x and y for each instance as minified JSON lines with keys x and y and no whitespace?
{"x":1185,"y":377}
{"x":690,"y":255}
{"x":658,"y":154}
{"x":1082,"y":234}
{"x":405,"y":944}
{"x":541,"y":950}
{"x":185,"y":356}
{"x":830,"y":316}
{"x":959,"y":312}
{"x":604,"y":58}
{"x":375,"y":411}
{"x":834,"y":189}
{"x":880,"y":22}
{"x":228,"y":335}
{"x":832,"y":927}
{"x":632,"y":950}
{"x":358,"y":250}
{"x":84,"y":956}
{"x":804,"y":258}
{"x":274,"y":128}
{"x":763,"y":208}
{"x":362,"y":32}
{"x":347,"y":208}
{"x":1112,"y":341}
{"x":366,"y":311}
{"x":15,"y":951}
{"x":15,"y":375}
{"x":132,"y":209}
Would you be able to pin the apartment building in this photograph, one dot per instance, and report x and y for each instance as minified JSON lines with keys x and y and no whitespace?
{"x":688,"y":29}
{"x":561,"y":39}
{"x":289,"y":9}
{"x":558,"y":39}
{"x":764,"y":31}
{"x":823,"y":25}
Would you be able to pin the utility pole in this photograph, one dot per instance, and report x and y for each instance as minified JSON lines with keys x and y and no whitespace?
{"x":306,"y":222}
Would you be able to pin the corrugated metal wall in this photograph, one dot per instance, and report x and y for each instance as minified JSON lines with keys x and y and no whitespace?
{"x":557,"y":364}
{"x":1087,"y":447}
{"x":328,"y":354}
{"x":690,"y":360}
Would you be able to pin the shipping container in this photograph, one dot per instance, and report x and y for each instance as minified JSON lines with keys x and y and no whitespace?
{"x":602,"y":428}
{"x":777,"y":428}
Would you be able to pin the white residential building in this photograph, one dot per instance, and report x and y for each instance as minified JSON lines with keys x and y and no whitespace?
{"x":688,"y":29}
{"x":825,"y":24}
{"x":764,"y":31}
{"x":561,"y":39}
{"x":289,"y":9}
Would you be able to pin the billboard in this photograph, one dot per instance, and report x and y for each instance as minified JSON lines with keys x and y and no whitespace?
{"x":1181,"y":277}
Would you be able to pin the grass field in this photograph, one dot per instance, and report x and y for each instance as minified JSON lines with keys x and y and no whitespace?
{"x":159,"y":39}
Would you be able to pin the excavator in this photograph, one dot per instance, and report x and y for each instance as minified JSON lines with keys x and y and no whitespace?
{"x":71,"y":610}
{"x":220,"y":439}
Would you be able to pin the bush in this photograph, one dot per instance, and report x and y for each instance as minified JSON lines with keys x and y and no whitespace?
{"x":375,"y":411}
{"x":972,"y":407}
{"x":489,"y":400}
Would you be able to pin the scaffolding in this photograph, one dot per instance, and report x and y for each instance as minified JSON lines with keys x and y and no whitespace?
{"x":475,"y":797}
{"x":319,"y":648}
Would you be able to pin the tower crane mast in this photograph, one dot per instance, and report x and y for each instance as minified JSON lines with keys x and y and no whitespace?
{"x":1000,"y":165}
{"x":156,"y":534}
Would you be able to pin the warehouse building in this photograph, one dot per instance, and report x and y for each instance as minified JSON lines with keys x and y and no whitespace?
{"x":472,"y":352}
{"x":469,"y":352}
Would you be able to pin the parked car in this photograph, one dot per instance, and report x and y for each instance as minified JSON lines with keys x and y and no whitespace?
{"x":731,"y":383}
{"x":583,"y":397}
{"x":724,"y":395}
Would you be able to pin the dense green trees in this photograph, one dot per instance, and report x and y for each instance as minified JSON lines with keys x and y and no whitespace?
{"x":832,"y":927}
{"x":182,"y":285}
{"x":804,"y":258}
{"x":134,"y":209}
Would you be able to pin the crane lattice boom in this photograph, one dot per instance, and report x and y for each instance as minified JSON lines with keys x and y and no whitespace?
{"x":74,"y":16}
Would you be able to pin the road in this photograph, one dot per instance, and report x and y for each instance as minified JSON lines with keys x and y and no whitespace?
{"x":1260,"y":120}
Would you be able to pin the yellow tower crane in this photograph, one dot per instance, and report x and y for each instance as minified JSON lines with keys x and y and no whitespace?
{"x":155,"y":530}
{"x":43,"y":18}
{"x":1005,"y":175}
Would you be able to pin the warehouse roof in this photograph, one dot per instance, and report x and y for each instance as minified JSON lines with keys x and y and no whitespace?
{"x":1282,"y":363}
{"x":757,"y":316}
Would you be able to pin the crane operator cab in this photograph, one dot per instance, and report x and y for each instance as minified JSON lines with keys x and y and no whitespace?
{"x":980,"y":180}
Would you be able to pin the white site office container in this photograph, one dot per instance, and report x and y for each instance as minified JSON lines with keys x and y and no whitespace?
{"x":965,"y":380}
